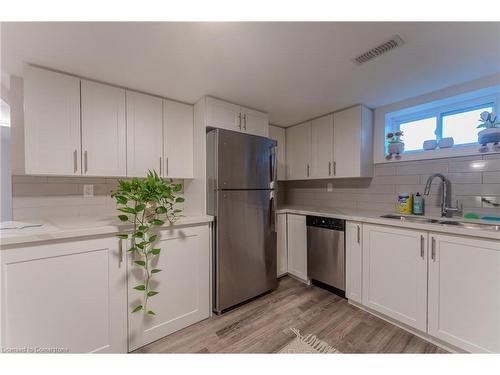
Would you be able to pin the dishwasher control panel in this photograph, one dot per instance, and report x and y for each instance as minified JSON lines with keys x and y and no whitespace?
{"x":325,"y":222}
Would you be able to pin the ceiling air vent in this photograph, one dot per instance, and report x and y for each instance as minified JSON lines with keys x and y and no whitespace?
{"x":392,"y":43}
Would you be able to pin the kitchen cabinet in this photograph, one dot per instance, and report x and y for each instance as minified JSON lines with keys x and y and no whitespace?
{"x":395,"y":273}
{"x":183,"y":286}
{"x":103,"y":130}
{"x":282,"y":250}
{"x":67,"y":295}
{"x":353,"y":142}
{"x":144,"y":134}
{"x":178,"y":140}
{"x":464,"y":297}
{"x":51,"y":122}
{"x":278,"y":134}
{"x":322,"y":147}
{"x":297,"y":246}
{"x":224,"y":115}
{"x":354,"y":261}
{"x":298,"y":151}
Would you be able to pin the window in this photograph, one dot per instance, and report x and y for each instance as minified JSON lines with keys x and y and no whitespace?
{"x":462,"y":125}
{"x":416,"y":132}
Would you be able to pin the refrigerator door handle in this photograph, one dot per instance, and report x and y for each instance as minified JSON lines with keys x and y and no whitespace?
{"x":273,"y":166}
{"x":272,"y":210}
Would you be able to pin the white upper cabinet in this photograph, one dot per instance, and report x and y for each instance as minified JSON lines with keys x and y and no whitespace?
{"x":103,"y":130}
{"x":224,"y":115}
{"x":322,"y":147}
{"x":254,"y":122}
{"x":178,"y":140}
{"x":395,"y":273}
{"x":298,"y":151}
{"x":51,"y":122}
{"x":144,"y":134}
{"x":464,"y":292}
{"x":353,"y":142}
{"x":278,"y":134}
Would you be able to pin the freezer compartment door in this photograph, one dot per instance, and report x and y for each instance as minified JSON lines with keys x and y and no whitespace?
{"x":245,"y":251}
{"x":244,"y":161}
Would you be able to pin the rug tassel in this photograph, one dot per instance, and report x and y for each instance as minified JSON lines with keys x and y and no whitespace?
{"x":314,"y":342}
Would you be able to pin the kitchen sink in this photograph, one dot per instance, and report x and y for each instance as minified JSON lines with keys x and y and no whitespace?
{"x":461,"y":224}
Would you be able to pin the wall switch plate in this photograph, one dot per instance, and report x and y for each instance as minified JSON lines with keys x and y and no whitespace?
{"x":329,"y":187}
{"x":88,"y":191}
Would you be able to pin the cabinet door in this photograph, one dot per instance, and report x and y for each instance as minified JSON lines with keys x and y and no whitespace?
{"x":144,"y":134}
{"x":322,"y":147}
{"x":464,"y":292}
{"x":395,"y":273}
{"x":278,"y":134}
{"x":282,"y":257}
{"x":224,"y":115}
{"x":298,"y":151}
{"x":103,"y":130}
{"x":354,"y":258}
{"x":51,"y":122}
{"x":183,"y":286}
{"x":178,"y":139}
{"x":69,"y":295}
{"x":297,"y":246}
{"x":254,"y":122}
{"x":346,"y":142}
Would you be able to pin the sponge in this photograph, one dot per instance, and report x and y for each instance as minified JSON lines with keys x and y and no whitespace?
{"x":471,"y":215}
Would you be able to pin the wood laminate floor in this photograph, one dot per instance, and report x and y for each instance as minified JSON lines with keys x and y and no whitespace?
{"x":263,"y":326}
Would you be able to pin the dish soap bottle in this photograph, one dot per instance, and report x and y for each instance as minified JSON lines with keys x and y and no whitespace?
{"x":418,"y":205}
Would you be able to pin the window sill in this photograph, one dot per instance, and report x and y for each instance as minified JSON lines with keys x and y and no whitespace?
{"x":471,"y":150}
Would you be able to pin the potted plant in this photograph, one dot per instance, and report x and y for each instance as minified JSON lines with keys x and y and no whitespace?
{"x":145,"y":204}
{"x":490,"y":133}
{"x":395,"y":145}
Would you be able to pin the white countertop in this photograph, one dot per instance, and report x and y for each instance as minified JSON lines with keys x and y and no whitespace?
{"x":81,"y":226}
{"x":373,"y":217}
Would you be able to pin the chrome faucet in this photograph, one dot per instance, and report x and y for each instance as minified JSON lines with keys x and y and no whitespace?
{"x":446,"y":209}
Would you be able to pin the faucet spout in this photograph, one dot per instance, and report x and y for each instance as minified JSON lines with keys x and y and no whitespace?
{"x":446,"y":209}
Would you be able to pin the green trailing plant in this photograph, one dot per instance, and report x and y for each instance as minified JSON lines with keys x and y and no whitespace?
{"x":146,"y":204}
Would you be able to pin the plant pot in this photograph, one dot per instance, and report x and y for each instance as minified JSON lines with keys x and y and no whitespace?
{"x":491,"y":135}
{"x":396,"y":148}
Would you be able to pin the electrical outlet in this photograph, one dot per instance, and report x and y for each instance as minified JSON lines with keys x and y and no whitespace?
{"x":88,"y":191}
{"x":329,"y":187}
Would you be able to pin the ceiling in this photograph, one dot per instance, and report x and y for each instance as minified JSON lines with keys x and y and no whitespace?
{"x":293,"y":71}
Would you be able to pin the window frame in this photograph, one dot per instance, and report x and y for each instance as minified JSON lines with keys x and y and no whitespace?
{"x":395,"y":119}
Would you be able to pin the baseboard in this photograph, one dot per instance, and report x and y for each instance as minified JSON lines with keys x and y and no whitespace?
{"x":423,"y":335}
{"x":308,"y":282}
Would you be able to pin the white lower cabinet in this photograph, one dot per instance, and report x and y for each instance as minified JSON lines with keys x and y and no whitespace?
{"x":281,"y":246}
{"x":68,"y":296}
{"x":183,"y":286}
{"x":297,"y":246}
{"x":464,"y":292}
{"x":354,"y":258}
{"x":395,"y":273}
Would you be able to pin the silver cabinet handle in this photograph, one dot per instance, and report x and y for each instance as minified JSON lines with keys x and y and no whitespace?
{"x":422,"y":247}
{"x":166,"y":167}
{"x":239,"y":117}
{"x":433,"y":251}
{"x":334,"y":168}
{"x":307,"y":170}
{"x":359,"y":234}
{"x":329,"y":168}
{"x":75,"y":161}
{"x":161,"y":172}
{"x":85,"y":162}
{"x":120,"y":253}
{"x":245,"y":122}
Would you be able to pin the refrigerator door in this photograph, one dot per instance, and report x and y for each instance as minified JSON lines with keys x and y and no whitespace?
{"x":245,"y":255}
{"x":244,"y":161}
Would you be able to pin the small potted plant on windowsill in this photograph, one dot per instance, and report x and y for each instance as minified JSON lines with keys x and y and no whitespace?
{"x":491,"y":133}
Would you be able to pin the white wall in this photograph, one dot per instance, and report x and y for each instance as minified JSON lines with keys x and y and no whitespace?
{"x":379,"y":129}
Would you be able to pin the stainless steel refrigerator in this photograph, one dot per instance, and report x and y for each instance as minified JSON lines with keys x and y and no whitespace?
{"x":241,"y":180}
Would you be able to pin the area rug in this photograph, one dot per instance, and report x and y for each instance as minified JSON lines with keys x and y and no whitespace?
{"x":308,"y":344}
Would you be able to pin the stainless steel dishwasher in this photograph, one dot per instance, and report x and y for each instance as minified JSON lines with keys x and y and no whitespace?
{"x":326,"y":253}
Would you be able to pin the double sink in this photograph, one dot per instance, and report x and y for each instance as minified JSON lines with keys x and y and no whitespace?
{"x":425,"y":220}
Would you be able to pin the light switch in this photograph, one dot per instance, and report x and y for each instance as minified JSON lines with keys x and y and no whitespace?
{"x":88,"y":191}
{"x":329,"y":187}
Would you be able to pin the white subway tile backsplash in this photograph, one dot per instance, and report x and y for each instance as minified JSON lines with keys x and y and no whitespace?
{"x":395,"y":180}
{"x":491,"y":177}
